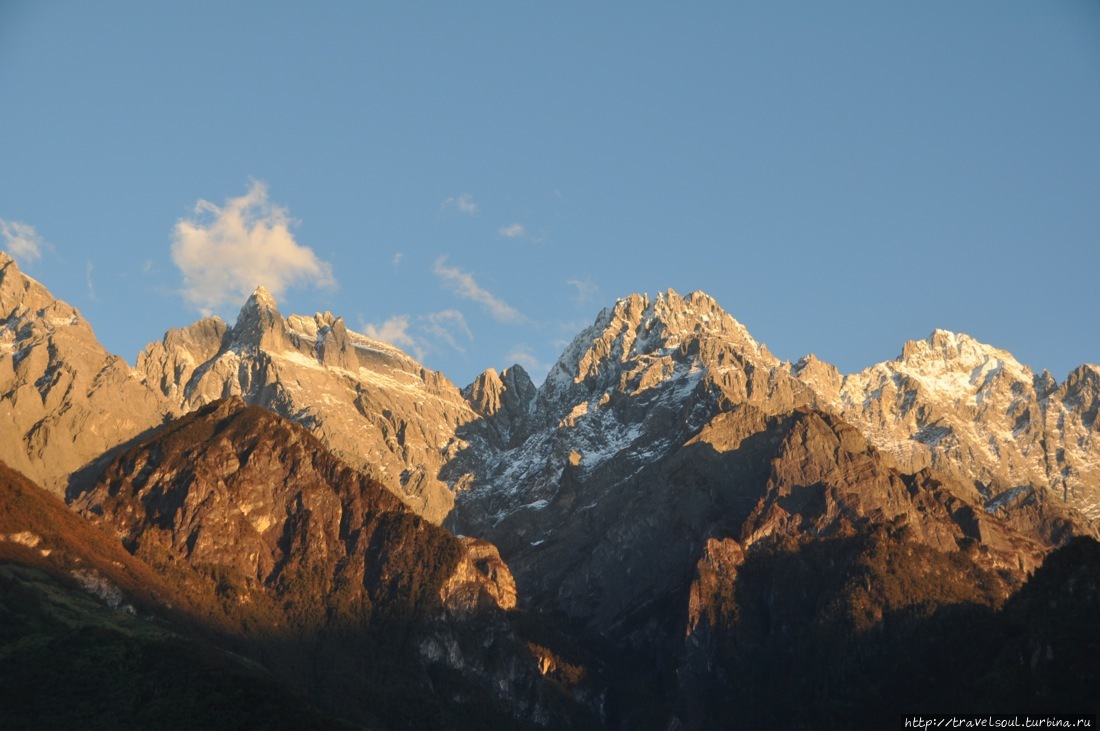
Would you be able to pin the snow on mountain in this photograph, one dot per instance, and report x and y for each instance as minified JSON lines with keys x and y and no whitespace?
{"x":644,"y":378}
{"x":972,"y":411}
{"x":629,"y":389}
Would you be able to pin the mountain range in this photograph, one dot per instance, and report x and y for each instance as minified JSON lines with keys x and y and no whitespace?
{"x":676,"y":529}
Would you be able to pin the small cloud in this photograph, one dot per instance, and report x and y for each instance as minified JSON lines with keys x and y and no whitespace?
{"x":462,"y":203}
{"x":21,"y":241}
{"x":463,"y":284}
{"x":397,"y":258}
{"x":224,"y":252}
{"x":585,"y":288}
{"x":394,"y":331}
{"x":515,"y":231}
{"x":524,"y":356}
{"x":148,"y":267}
{"x":88,"y":280}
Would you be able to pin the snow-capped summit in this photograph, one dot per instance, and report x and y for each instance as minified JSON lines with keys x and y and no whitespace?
{"x":970,"y":410}
{"x":641,"y":343}
{"x":629,"y":389}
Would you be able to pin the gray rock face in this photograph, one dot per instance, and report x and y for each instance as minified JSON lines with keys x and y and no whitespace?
{"x":371,"y":404}
{"x":65,"y":399}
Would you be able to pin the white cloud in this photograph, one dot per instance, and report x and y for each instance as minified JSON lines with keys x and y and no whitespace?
{"x":397,"y":258}
{"x":462,"y":203}
{"x":463,"y":284}
{"x":21,"y":241}
{"x":225,"y":252}
{"x":422,"y":334}
{"x":515,"y":231}
{"x":586,"y":289}
{"x":394,"y":331}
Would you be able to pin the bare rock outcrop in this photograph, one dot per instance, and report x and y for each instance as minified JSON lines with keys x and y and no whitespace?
{"x":242,"y":489}
{"x":66,"y":400}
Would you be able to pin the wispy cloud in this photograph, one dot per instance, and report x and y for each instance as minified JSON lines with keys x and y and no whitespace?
{"x":224,"y":252}
{"x":585,"y":289}
{"x":464,"y":203}
{"x":515,"y":231}
{"x":394,"y":331}
{"x":21,"y":241}
{"x":423,"y":334}
{"x":525,"y":356}
{"x":464,"y":285}
{"x":88,"y":268}
{"x":397,"y":258}
{"x":446,"y":325}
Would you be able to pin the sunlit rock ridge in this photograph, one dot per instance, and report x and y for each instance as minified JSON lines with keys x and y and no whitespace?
{"x":370,"y":403}
{"x":632,"y":388}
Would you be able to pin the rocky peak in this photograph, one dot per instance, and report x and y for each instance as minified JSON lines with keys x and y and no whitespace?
{"x":1081,"y":390}
{"x":642,"y":343}
{"x":947,"y":352}
{"x":369,"y":402}
{"x":637,"y":327}
{"x":66,"y":400}
{"x":334,"y":345}
{"x":259,"y":324}
{"x":511,"y":391}
{"x":822,"y":377}
{"x":1045,"y":383}
{"x":21,"y":294}
{"x":519,"y":389}
{"x":484,"y":393}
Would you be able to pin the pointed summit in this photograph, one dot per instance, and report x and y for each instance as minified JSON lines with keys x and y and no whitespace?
{"x":945,"y":352}
{"x":260,"y":299}
{"x":638,"y":329}
{"x":259,"y":324}
{"x":18,"y":292}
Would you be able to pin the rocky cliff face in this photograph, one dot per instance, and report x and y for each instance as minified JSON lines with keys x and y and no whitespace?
{"x":665,"y":425}
{"x":626,"y":393}
{"x":65,"y":400}
{"x":972,"y":411}
{"x":371,"y":404}
{"x":324,"y":575}
{"x":667,"y":448}
{"x":239,"y":488}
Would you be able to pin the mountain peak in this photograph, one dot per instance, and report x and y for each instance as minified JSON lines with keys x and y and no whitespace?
{"x":946,"y":350}
{"x":261,"y":299}
{"x":259,"y":323}
{"x":19,"y":291}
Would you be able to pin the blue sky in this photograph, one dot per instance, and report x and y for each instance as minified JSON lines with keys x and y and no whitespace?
{"x":476,"y":180}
